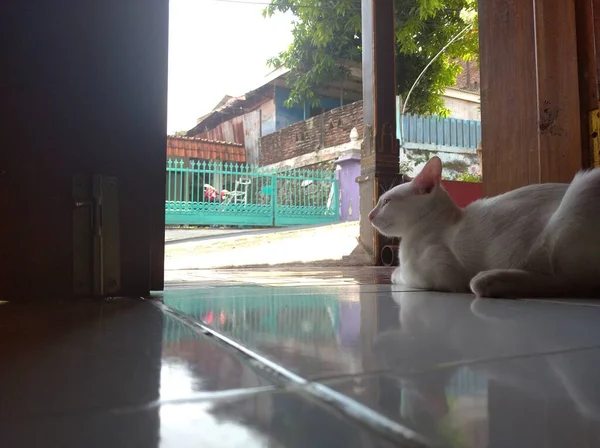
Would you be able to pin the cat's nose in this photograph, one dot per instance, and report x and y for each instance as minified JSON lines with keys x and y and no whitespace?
{"x":372,"y":215}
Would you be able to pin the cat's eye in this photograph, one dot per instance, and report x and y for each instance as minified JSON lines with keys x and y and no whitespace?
{"x":385,"y":201}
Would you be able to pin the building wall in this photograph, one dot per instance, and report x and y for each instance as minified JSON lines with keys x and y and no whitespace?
{"x":267,"y":111}
{"x":246,"y":129}
{"x":284,"y":133}
{"x":229,"y":131}
{"x":233,"y":130}
{"x":348,"y":169}
{"x":286,"y":116}
{"x":264,"y":119}
{"x":469,"y":78}
{"x":463,"y":109}
{"x":331,"y":128}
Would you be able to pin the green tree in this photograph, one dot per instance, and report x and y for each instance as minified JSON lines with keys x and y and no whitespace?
{"x":327,"y":32}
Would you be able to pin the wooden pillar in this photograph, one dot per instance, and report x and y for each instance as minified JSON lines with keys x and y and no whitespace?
{"x":537,"y":86}
{"x":379,"y":162}
{"x":587,"y":20}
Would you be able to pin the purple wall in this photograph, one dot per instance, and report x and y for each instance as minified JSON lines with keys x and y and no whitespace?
{"x":349,"y":170}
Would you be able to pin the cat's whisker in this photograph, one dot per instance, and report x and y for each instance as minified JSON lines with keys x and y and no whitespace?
{"x":389,"y":187}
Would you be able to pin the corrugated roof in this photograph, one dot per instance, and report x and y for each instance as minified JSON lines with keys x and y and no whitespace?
{"x":203,"y":149}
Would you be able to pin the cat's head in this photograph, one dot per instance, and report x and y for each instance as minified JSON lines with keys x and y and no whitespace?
{"x":404,"y":206}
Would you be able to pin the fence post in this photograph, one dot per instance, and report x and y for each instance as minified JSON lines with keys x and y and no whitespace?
{"x":274,"y":198}
{"x":186,"y":198}
{"x":180,"y":196}
{"x":169,"y":170}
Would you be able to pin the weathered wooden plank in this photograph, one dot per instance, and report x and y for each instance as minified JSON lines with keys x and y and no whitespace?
{"x":508,"y":95}
{"x":587,"y":62}
{"x":559,"y":126}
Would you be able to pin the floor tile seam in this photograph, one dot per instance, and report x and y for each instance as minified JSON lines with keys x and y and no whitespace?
{"x":400,"y":374}
{"x":348,"y":407}
{"x":514,"y":357}
{"x":255,"y":359}
{"x":565,"y":302}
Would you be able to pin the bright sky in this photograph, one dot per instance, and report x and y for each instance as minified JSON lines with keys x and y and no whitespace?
{"x":218,"y":48}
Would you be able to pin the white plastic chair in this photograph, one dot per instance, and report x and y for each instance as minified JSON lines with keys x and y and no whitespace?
{"x":240,"y":194}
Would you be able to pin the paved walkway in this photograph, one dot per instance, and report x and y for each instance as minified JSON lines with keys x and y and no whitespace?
{"x":276,"y":247}
{"x":176,"y":236}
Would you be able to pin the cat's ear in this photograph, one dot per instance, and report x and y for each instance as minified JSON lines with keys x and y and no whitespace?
{"x":429,"y":177}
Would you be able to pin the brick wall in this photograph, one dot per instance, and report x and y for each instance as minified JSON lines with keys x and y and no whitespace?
{"x":323,"y":131}
{"x":468,"y":79}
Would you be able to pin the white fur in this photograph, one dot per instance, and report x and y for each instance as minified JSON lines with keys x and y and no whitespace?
{"x":537,"y":241}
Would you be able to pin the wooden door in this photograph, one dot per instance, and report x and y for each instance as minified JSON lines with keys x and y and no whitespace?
{"x":84,"y":90}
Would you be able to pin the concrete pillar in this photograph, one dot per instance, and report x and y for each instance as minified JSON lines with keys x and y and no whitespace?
{"x":348,"y":170}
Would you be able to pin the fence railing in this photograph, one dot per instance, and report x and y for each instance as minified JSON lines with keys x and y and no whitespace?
{"x":432,"y":133}
{"x":215,"y":193}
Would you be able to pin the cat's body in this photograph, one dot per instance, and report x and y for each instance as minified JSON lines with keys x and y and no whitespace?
{"x":539,"y":240}
{"x":481,"y":237}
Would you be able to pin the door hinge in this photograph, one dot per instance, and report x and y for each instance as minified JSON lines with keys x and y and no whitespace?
{"x":96,"y":243}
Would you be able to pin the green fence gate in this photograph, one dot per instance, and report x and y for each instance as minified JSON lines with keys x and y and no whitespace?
{"x":215,"y":193}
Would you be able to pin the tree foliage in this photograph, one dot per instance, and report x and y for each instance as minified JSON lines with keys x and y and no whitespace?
{"x":327,"y":32}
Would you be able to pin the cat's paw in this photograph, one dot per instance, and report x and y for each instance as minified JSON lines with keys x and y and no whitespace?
{"x":491,"y":284}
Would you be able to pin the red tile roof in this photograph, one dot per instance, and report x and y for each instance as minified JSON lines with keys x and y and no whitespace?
{"x":200,"y":148}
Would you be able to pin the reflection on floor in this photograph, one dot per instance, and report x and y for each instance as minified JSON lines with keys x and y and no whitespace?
{"x":279,"y":277}
{"x":303,"y":358}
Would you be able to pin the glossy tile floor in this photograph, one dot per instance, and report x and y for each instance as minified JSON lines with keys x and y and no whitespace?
{"x":306,"y":358}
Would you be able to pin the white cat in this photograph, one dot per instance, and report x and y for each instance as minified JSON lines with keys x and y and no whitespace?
{"x":537,"y":241}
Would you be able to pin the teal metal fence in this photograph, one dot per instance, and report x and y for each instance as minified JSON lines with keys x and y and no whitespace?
{"x":215,"y":193}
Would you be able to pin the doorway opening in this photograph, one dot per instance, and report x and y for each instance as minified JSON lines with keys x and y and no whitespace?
{"x":265,"y":131}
